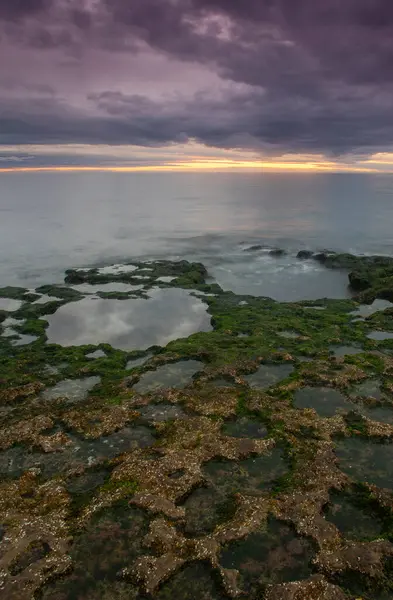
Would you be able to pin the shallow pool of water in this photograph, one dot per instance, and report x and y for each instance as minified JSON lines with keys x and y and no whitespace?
{"x":252,"y":475}
{"x":205,"y":508}
{"x":326,"y":401}
{"x":268,"y":375}
{"x":23,"y":339}
{"x":96,"y":354}
{"x":172,"y":375}
{"x":340,"y":351}
{"x":379,"y":336}
{"x":117,"y":269}
{"x":111,"y":541}
{"x":244,"y":428}
{"x":168,"y":314}
{"x":354,"y":519}
{"x":9,"y":304}
{"x":290,"y":335}
{"x":87,"y":288}
{"x":365,"y":460}
{"x":71,"y":389}
{"x":275,"y":554}
{"x":371,"y":388}
{"x":166,"y":279}
{"x":197,"y":580}
{"x":137,"y":362}
{"x":80,"y":453}
{"x":366,"y":310}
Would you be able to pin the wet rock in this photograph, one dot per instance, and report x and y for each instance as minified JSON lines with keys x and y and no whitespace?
{"x":159,"y":413}
{"x":359,"y":281}
{"x":254,"y":248}
{"x":34,"y":552}
{"x":315,"y":588}
{"x":304,"y":254}
{"x":37,"y":540}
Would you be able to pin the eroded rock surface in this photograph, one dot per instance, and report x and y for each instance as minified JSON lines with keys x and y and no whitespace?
{"x":217,"y":465}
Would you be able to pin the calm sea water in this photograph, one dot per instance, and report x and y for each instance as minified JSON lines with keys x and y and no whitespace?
{"x":53,"y":221}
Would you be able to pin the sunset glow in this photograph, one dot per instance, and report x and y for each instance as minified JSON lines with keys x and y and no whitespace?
{"x":212,"y":165}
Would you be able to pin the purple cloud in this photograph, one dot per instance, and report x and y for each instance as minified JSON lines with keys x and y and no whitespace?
{"x":276,"y":75}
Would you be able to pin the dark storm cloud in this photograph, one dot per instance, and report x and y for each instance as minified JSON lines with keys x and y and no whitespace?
{"x":312,"y":76}
{"x":20,"y":9}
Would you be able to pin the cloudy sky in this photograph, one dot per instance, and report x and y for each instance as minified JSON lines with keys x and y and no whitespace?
{"x":174,"y":84}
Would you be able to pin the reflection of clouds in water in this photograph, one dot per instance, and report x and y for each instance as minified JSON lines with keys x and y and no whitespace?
{"x":268,"y":375}
{"x":365,"y":310}
{"x":9,"y":304}
{"x":176,"y":375}
{"x":129,"y":324}
{"x":23,"y":340}
{"x":116,"y":269}
{"x":166,"y":278}
{"x":86,"y":288}
{"x":380,"y":336}
{"x":44,"y":299}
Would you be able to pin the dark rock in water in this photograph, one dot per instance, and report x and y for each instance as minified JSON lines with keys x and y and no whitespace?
{"x":277,"y":252}
{"x":14,"y":293}
{"x":253,"y":248}
{"x":359,"y":280}
{"x":320,"y":257}
{"x":304,"y":254}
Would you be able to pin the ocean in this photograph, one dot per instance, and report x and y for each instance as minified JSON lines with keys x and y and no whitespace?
{"x":53,"y":221}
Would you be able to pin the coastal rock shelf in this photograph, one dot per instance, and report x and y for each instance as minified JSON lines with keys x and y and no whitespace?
{"x":163,"y":438}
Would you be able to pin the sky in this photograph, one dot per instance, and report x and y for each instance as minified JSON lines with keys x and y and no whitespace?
{"x":196,"y":84}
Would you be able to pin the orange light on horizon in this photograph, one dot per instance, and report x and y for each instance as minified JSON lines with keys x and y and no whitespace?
{"x":200,"y":165}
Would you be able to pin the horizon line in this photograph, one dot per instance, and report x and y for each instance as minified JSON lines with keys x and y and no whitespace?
{"x":200,"y":166}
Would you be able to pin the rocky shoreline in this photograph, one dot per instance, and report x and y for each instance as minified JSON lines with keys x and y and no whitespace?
{"x":252,"y":458}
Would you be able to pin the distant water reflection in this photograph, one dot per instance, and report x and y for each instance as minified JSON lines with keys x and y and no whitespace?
{"x":168,"y":314}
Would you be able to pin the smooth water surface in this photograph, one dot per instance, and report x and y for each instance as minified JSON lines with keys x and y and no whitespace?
{"x":380,"y":336}
{"x":172,"y":375}
{"x":168,"y":314}
{"x":366,"y":310}
{"x":268,"y":375}
{"x":326,"y":401}
{"x":71,"y":389}
{"x":366,"y":460}
{"x":63,"y":220}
